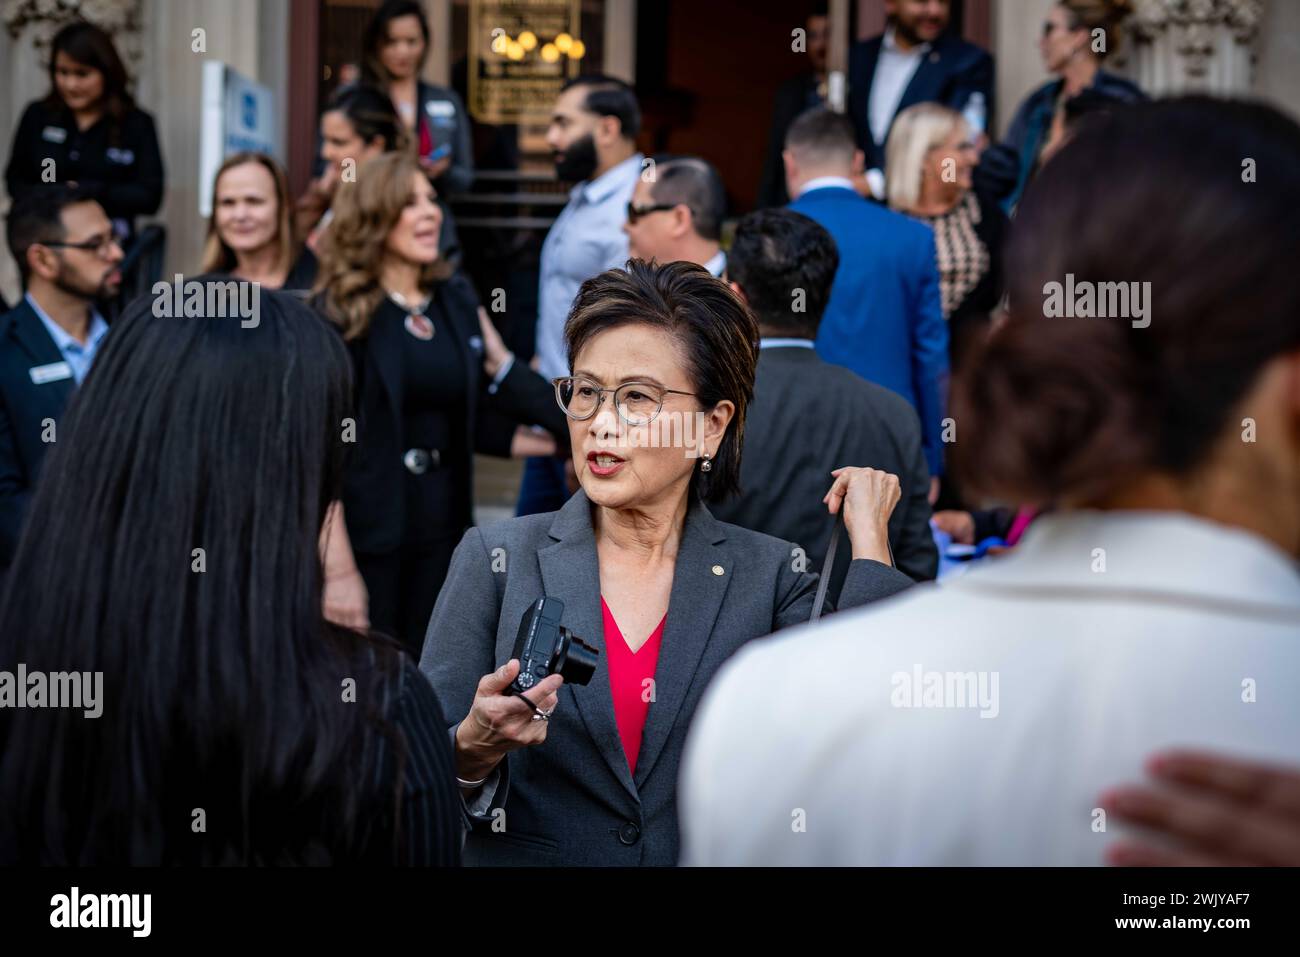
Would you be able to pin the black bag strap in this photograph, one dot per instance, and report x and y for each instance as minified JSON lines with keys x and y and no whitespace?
{"x":820,"y":598}
{"x":827,"y":565}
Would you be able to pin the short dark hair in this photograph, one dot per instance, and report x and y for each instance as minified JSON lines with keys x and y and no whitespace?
{"x":610,"y":96}
{"x":696,"y":184}
{"x":823,"y":134}
{"x":1071,"y":409}
{"x":775,"y":254}
{"x":717,"y":331}
{"x":37,"y":217}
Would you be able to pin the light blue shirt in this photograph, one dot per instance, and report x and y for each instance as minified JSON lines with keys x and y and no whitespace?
{"x":77,"y":356}
{"x":585,"y":240}
{"x":777,"y":342}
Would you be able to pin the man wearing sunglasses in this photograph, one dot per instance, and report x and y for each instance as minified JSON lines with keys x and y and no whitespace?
{"x":678,"y":216}
{"x":68,"y":258}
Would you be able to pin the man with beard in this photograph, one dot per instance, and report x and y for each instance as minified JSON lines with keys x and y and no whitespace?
{"x":592,"y":137}
{"x":915,"y":61}
{"x":68,"y":257}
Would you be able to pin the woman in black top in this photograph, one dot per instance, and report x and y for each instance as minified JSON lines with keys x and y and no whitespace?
{"x":250,"y":232}
{"x":423,"y":351}
{"x":181,"y":510}
{"x":90,"y":128}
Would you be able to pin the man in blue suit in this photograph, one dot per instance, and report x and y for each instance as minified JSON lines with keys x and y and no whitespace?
{"x":914,"y":61}
{"x":885,"y":319}
{"x":68,"y":256}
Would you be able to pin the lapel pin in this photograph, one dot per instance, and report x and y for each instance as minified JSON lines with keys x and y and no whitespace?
{"x":717,"y":569}
{"x":934,"y":57}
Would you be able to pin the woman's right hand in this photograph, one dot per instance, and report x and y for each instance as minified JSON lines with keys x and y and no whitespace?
{"x":499,"y":723}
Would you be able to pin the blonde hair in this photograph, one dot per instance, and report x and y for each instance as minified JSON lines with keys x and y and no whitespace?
{"x":916,"y":131}
{"x":217,"y":256}
{"x":352,"y":250}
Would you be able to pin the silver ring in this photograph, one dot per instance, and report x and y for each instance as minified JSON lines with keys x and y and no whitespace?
{"x":541,"y":716}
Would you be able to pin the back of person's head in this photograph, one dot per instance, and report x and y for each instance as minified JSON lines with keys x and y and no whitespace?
{"x":609,"y":96}
{"x":1102,"y":19}
{"x":173,"y":548}
{"x":88,"y":45}
{"x":376,"y":36}
{"x":916,"y":131}
{"x":784,"y":264}
{"x":692,"y":182}
{"x":217,"y":255}
{"x":36,"y":217}
{"x":1157,"y":201}
{"x":822,"y":139}
{"x":352,"y":251}
{"x":370,"y":112}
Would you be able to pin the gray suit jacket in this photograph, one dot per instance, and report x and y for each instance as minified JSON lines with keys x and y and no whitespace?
{"x":572,"y":799}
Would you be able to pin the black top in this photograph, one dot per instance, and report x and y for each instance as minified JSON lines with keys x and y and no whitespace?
{"x":379,"y":492}
{"x":119,"y":165}
{"x":430,"y":830}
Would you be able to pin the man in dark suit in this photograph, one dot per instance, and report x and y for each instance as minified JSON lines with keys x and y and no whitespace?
{"x":884,"y":319}
{"x":68,"y":258}
{"x":795,"y":96}
{"x":914,"y":61}
{"x":808,"y":416}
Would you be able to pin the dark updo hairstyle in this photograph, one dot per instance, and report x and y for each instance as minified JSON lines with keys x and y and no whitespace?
{"x":371,"y":113}
{"x":715,"y":329}
{"x":1105,"y":15}
{"x":1072,"y":409}
{"x":90,"y":46}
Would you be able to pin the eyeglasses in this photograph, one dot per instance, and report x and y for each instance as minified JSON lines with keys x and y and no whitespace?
{"x":637,"y":402}
{"x":635,"y":212}
{"x":101,"y":245}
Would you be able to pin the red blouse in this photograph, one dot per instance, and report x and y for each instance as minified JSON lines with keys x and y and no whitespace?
{"x":628,"y":672}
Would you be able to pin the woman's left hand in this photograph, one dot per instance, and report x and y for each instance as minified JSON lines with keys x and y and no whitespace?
{"x":868,"y":497}
{"x":495,"y":352}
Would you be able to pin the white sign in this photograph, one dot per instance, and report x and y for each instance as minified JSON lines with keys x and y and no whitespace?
{"x":238,"y":116}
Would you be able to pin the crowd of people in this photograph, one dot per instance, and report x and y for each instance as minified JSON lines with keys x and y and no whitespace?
{"x":261,"y":534}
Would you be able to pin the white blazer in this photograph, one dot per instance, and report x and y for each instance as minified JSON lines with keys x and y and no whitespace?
{"x":977,"y":722}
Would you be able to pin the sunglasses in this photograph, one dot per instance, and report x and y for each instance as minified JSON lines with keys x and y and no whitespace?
{"x":634,"y":212}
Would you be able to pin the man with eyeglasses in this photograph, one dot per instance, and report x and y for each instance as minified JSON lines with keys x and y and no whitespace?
{"x":677,"y":216}
{"x":68,"y":258}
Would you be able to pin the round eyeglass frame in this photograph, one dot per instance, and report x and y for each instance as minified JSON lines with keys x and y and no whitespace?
{"x":600,"y":398}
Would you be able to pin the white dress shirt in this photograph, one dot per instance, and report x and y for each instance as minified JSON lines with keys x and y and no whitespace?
{"x":895,"y":68}
{"x":820,"y":746}
{"x":586,"y":239}
{"x":717,"y":264}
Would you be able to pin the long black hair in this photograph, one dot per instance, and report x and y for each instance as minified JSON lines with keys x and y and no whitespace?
{"x":376,"y":35}
{"x":173,"y":545}
{"x":87,"y":44}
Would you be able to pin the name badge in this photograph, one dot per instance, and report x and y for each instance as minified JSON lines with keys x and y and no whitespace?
{"x":125,"y":157}
{"x":54,"y":134}
{"x":440,"y":108}
{"x":54,"y":372}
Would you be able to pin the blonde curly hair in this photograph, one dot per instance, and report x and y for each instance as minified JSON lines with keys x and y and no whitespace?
{"x":352,"y":249}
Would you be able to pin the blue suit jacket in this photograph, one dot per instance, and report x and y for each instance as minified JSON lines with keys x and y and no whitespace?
{"x":948,"y":74}
{"x":885,"y":318}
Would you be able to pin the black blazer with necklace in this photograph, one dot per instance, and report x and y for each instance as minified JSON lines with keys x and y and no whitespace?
{"x":374,"y":492}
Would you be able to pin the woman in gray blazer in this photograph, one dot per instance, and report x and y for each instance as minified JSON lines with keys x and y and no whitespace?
{"x":586,"y":774}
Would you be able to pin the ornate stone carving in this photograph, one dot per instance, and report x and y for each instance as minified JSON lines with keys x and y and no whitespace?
{"x":41,"y":19}
{"x":1195,"y":44}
